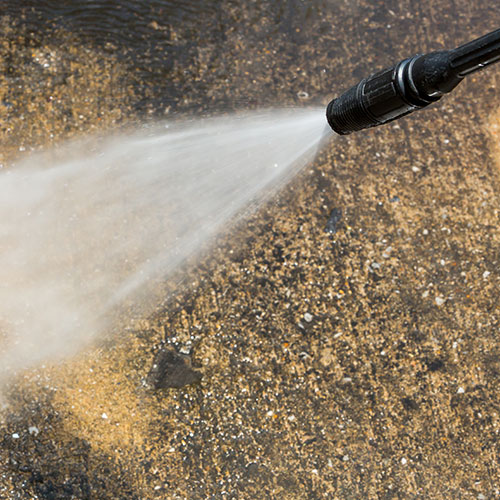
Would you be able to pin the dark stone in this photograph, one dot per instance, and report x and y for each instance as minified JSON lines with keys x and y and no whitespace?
{"x":435,"y":365}
{"x":278,"y":254}
{"x":333,"y":221}
{"x":172,"y":370}
{"x":409,"y":404}
{"x":417,"y":336}
{"x":310,"y":440}
{"x":252,"y":470}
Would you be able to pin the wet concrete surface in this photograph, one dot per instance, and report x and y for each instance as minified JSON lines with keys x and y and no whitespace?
{"x":361,"y":363}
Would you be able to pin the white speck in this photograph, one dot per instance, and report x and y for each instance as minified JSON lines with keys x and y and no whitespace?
{"x":308,"y":317}
{"x":15,"y":435}
{"x":442,"y":262}
{"x":171,"y":450}
{"x":382,"y":353}
{"x":481,"y":497}
{"x":415,"y":169}
{"x":291,"y":418}
{"x":461,"y":390}
{"x":345,"y":458}
{"x":387,"y":253}
{"x":270,"y":413}
{"x":425,"y":294}
{"x":315,"y":471}
{"x":454,"y":345}
{"x":440,"y":300}
{"x":275,"y":165}
{"x":33,"y":430}
{"x":425,"y":232}
{"x":446,"y":141}
{"x":346,"y":380}
{"x":330,"y":462}
{"x":486,"y":274}
{"x":337,"y":335}
{"x":375,"y":265}
{"x":157,"y":488}
{"x":104,"y":416}
{"x":404,"y":461}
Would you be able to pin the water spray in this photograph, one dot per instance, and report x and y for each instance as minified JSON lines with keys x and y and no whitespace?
{"x":412,"y":84}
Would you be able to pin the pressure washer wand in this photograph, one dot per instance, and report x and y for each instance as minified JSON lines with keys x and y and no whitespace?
{"x":412,"y":84}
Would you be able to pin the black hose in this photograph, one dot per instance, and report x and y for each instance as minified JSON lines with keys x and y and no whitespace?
{"x":411,"y":84}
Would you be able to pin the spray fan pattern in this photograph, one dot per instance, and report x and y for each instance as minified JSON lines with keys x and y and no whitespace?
{"x":81,"y":235}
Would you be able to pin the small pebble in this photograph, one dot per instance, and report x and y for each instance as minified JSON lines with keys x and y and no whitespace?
{"x":486,"y":274}
{"x":404,"y":461}
{"x":33,"y":430}
{"x":387,"y":253}
{"x":15,"y":435}
{"x":461,"y":390}
{"x":332,"y":225}
{"x":308,"y":317}
{"x":104,"y":416}
{"x":172,"y":369}
{"x":440,"y":300}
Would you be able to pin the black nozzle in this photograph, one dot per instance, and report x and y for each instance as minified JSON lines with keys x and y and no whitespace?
{"x":412,"y":84}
